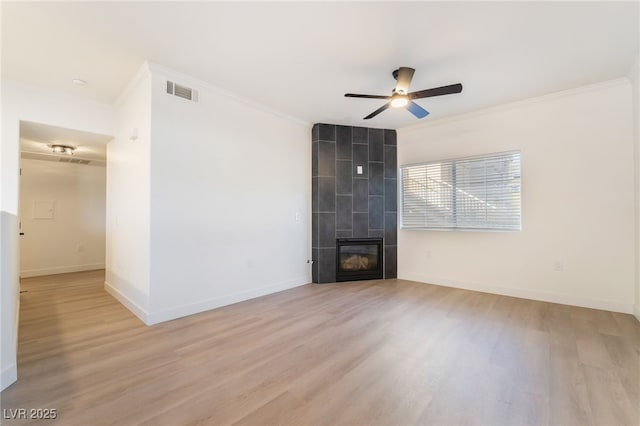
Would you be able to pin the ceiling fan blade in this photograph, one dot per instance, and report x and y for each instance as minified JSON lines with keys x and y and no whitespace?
{"x":436,"y":91}
{"x":405,"y":75}
{"x":417,"y":110}
{"x":378,"y":111}
{"x":355,"y":95}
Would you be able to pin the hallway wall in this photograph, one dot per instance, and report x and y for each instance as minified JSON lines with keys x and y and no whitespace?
{"x":71,"y":238}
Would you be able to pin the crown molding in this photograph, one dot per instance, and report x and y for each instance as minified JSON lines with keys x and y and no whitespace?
{"x":517,"y":104}
{"x":185,"y":78}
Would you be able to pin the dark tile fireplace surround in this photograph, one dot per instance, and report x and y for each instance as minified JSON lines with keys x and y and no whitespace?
{"x":354,"y":195}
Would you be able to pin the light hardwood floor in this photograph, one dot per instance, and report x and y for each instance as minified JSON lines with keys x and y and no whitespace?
{"x":373,"y":352}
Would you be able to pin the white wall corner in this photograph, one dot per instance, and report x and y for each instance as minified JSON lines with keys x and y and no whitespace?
{"x":142,"y":72}
{"x":132,"y":306}
{"x":8,"y":375}
{"x":634,"y":77}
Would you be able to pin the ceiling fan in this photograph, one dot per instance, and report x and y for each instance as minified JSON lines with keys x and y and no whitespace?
{"x":401,"y":97}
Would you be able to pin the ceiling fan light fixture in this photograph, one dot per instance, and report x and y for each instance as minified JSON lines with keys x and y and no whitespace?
{"x":399,"y":101}
{"x":62,"y":149}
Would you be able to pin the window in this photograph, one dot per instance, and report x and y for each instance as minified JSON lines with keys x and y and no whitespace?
{"x":475,"y":193}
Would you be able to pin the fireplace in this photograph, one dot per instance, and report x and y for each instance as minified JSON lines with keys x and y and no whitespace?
{"x":358,"y":259}
{"x":354,"y":186}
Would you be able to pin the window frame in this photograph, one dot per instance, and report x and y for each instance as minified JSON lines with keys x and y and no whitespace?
{"x":453,"y":161}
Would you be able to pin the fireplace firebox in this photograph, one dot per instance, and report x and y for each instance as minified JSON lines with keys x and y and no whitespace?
{"x":358,"y":259}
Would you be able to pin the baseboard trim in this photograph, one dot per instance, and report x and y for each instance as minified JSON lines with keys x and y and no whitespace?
{"x":217,"y":302}
{"x":8,"y":376}
{"x":563,"y":299}
{"x":127,"y":302}
{"x":60,"y":270}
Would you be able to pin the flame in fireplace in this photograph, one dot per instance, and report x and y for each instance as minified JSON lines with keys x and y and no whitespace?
{"x":355,"y":263}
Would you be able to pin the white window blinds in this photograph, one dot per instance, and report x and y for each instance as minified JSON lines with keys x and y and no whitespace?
{"x":476,"y":193}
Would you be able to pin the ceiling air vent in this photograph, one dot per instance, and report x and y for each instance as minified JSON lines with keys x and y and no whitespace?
{"x":73,"y":160}
{"x":181,"y":91}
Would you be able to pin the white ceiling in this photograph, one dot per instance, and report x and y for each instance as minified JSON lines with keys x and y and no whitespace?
{"x":301,"y":57}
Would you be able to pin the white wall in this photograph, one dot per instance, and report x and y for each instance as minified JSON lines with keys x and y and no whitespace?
{"x":227,"y":181}
{"x":128,"y":186}
{"x":634,"y":76}
{"x":225,"y":175}
{"x":577,"y":208}
{"x":22,"y":102}
{"x":73,"y":238}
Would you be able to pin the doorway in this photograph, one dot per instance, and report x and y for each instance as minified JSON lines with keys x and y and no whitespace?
{"x":62,"y":200}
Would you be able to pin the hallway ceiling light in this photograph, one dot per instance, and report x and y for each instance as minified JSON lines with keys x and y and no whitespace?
{"x":62,"y":149}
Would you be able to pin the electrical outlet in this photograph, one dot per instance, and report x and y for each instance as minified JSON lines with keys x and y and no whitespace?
{"x":558,"y":266}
